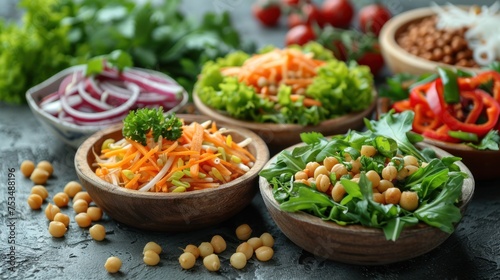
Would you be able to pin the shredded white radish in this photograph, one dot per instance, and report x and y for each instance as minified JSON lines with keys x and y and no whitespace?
{"x":483,"y":25}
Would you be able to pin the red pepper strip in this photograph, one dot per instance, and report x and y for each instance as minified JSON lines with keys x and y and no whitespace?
{"x":417,"y":94}
{"x":481,"y":78}
{"x":477,"y":104}
{"x":441,"y":134}
{"x":403,"y":105}
{"x":441,"y":110}
{"x":424,"y":118}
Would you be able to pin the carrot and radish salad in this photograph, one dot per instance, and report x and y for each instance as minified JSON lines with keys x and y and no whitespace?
{"x":182,"y":157}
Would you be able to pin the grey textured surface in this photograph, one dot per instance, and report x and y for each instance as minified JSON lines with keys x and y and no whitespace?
{"x":470,"y":253}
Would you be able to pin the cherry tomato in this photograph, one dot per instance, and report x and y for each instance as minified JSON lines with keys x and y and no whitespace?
{"x":337,"y":13}
{"x":299,"y":35}
{"x":268,"y":13}
{"x":308,"y":14}
{"x":374,"y":60}
{"x":373,"y":17}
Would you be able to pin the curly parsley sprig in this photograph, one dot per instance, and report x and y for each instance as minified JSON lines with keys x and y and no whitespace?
{"x":139,"y":123}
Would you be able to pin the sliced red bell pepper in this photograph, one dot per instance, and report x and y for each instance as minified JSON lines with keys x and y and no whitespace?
{"x":477,"y":106}
{"x":441,"y":134}
{"x":424,"y":118}
{"x":401,"y":106}
{"x":442,"y":111}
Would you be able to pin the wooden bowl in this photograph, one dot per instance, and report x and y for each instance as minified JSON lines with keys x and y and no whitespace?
{"x":280,"y":136}
{"x":357,"y":244}
{"x":482,"y":164}
{"x":170,"y":211}
{"x":397,"y":59}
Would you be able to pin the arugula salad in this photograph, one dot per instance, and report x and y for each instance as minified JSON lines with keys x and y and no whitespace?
{"x":295,"y":85}
{"x":376,"y":178}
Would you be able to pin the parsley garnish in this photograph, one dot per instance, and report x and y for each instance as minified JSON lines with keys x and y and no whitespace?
{"x":139,"y":123}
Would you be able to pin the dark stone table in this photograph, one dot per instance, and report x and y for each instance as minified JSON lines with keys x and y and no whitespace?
{"x":472,"y":252}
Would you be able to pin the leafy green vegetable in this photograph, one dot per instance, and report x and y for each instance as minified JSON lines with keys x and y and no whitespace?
{"x":56,"y":34}
{"x":341,"y":88}
{"x":438,"y":183}
{"x":490,"y":141}
{"x":119,"y":59}
{"x":140,"y":122}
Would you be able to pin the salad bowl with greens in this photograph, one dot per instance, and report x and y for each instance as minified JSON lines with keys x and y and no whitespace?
{"x":280,"y":93}
{"x":371,"y":197}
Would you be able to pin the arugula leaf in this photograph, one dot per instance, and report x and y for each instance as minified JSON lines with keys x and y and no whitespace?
{"x":396,"y":127}
{"x":442,"y":211}
{"x":490,"y":141}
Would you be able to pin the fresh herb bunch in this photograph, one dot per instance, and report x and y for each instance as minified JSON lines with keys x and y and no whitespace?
{"x":139,"y":123}
{"x":438,"y":185}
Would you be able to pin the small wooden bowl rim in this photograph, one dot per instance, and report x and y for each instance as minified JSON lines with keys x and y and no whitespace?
{"x":396,"y":25}
{"x":265,"y":188}
{"x":274,"y":127}
{"x":84,"y":169}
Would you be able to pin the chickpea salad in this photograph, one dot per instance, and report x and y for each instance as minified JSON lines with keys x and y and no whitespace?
{"x":376,"y":178}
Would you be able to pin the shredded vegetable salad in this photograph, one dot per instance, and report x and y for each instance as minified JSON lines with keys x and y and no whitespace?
{"x":204,"y":156}
{"x":295,"y":85}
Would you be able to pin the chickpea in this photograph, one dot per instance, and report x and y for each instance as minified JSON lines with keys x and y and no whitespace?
{"x":57,"y":229}
{"x":301,"y":175}
{"x":392,"y":195}
{"x":83,"y":220}
{"x":356,"y":166}
{"x":402,"y":174}
{"x":238,"y":260}
{"x":389,"y":172}
{"x":355,"y":179}
{"x":373,"y":176}
{"x":329,"y":162}
{"x":339,"y":169}
{"x":187,"y":260}
{"x":61,"y":199}
{"x":322,"y":182}
{"x":193,"y":249}
{"x":35,"y":201}
{"x":72,"y":188}
{"x":384,"y":185}
{"x":152,"y":246}
{"x":320,"y":170}
{"x":113,"y":264}
{"x":97,"y":232}
{"x":212,"y":262}
{"x":378,"y":197}
{"x":27,"y":167}
{"x":95,"y":213}
{"x":437,"y":54}
{"x":80,"y":206}
{"x":338,"y":192}
{"x":218,"y":243}
{"x":205,"y":249}
{"x":243,"y":232}
{"x":40,"y":190}
{"x":311,"y":167}
{"x":63,"y":218}
{"x":409,"y":200}
{"x":246,"y":249}
{"x":82,"y":195}
{"x":39,"y":176}
{"x":151,"y":258}
{"x":255,"y":242}
{"x":264,"y":253}
{"x":410,"y":160}
{"x":45,"y":165}
{"x":51,"y":210}
{"x":368,"y":151}
{"x":411,"y":169}
{"x":267,"y":239}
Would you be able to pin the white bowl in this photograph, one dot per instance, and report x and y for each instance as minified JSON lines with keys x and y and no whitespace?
{"x":71,"y":134}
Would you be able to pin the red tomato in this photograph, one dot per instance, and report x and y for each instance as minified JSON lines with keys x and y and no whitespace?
{"x":309,"y":14}
{"x":267,"y":14}
{"x":299,"y":35}
{"x":373,"y":17}
{"x":339,"y":50}
{"x":337,"y":13}
{"x":373,"y":60}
